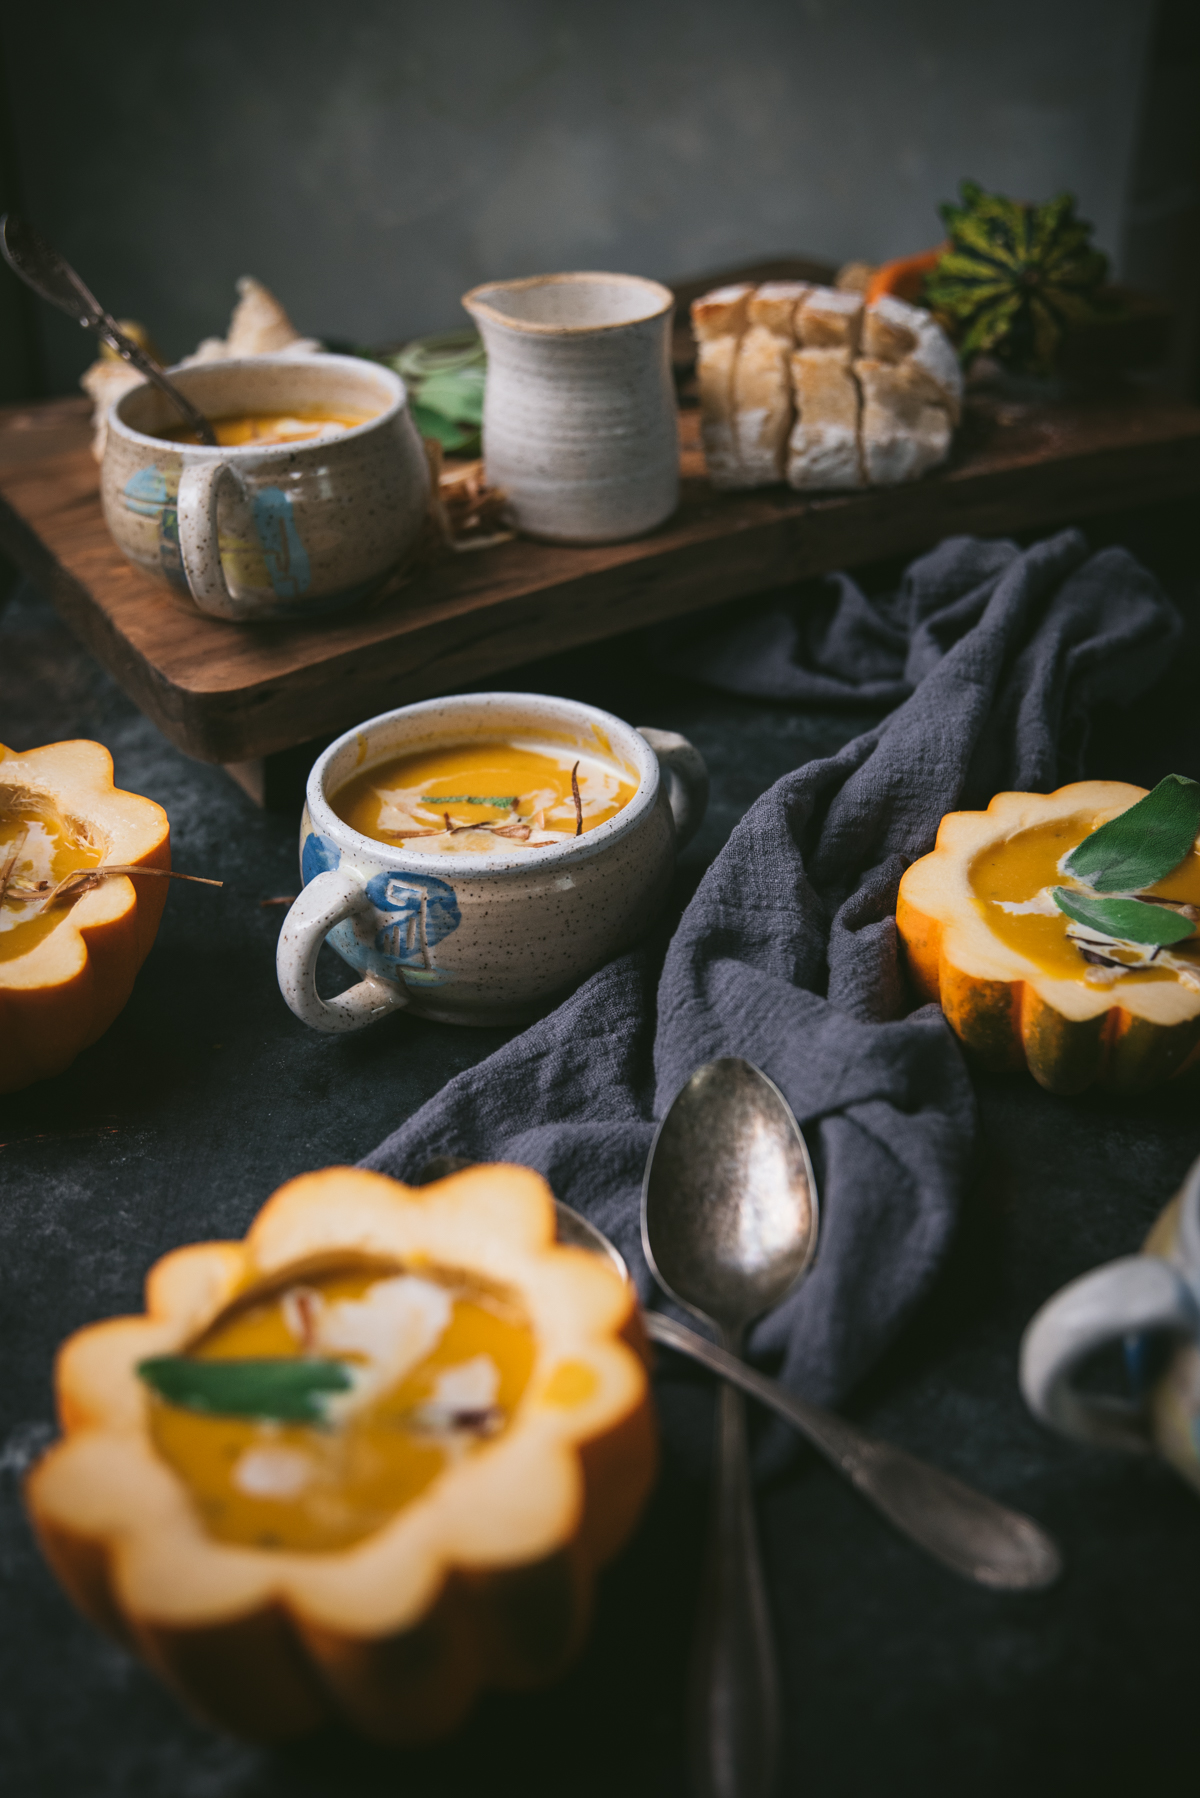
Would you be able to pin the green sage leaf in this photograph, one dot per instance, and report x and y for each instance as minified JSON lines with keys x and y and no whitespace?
{"x":468,"y":799}
{"x":1142,"y":845}
{"x":1129,"y":919}
{"x":278,"y":1390}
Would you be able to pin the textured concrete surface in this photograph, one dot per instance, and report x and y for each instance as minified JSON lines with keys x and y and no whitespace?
{"x":373,"y":162}
{"x":898,"y":1678}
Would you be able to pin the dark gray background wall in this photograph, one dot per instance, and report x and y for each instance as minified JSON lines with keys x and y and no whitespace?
{"x":372,"y":160}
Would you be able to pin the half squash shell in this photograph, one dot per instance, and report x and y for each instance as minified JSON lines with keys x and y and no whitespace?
{"x":1070,"y":1033}
{"x":484,"y":1579}
{"x":63,"y":993}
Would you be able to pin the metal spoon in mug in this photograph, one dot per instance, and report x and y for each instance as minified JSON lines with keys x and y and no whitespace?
{"x":42,"y":268}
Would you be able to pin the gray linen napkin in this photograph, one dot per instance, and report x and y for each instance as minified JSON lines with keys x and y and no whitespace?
{"x":787,"y":954}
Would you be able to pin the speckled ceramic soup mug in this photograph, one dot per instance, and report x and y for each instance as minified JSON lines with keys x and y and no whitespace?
{"x":269,"y":529}
{"x":490,"y":922}
{"x":1151,"y":1304}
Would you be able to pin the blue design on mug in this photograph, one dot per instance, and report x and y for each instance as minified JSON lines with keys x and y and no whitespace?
{"x":425,"y":912}
{"x":151,"y":493}
{"x":320,"y":855}
{"x":283,"y":551}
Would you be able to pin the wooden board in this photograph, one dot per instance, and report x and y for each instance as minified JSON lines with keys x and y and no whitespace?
{"x":230,"y":693}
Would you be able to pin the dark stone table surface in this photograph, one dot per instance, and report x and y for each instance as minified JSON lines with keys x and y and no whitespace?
{"x":206,"y":1094}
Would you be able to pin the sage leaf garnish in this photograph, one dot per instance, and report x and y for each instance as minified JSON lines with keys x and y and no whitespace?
{"x":469,"y":799}
{"x":1142,"y":845}
{"x":1128,"y":919}
{"x":277,"y":1390}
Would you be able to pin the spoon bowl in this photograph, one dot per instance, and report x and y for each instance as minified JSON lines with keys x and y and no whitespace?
{"x":729,"y":1205}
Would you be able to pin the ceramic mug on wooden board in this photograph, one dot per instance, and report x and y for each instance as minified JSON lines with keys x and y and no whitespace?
{"x":482,"y":938}
{"x":278,"y":530}
{"x":1150,"y":1303}
{"x":579,"y":424}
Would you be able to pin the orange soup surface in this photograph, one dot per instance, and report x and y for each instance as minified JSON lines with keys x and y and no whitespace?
{"x":438,"y":1366}
{"x":485,"y":796}
{"x":1012,"y":882}
{"x":304,"y":425}
{"x":37,"y":848}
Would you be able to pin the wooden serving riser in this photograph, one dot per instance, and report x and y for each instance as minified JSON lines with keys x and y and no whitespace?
{"x":233,"y":693}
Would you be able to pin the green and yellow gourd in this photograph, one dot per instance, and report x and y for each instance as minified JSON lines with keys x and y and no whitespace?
{"x":1041,"y":957}
{"x":1015,"y":277}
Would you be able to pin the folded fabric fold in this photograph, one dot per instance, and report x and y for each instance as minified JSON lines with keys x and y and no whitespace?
{"x":788,"y":954}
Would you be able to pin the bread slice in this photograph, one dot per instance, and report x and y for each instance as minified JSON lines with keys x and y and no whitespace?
{"x":718,"y":321}
{"x":762,"y":405}
{"x":722,"y":312}
{"x":715,"y":361}
{"x":894,"y":331}
{"x":829,"y":320}
{"x":774,"y":305}
{"x":904,"y":432}
{"x":823,"y":449}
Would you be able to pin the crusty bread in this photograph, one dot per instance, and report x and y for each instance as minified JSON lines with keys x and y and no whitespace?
{"x":774,"y":305}
{"x":722,"y":312}
{"x":718,"y":321}
{"x":829,"y":320}
{"x":715,"y":360}
{"x":868,"y":398}
{"x":854,"y":277}
{"x":762,"y":406}
{"x":823,"y":448}
{"x":904,"y":433}
{"x":894,"y":331}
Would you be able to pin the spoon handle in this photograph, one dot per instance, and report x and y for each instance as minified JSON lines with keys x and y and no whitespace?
{"x":51,"y":276}
{"x":968,"y":1532}
{"x":107,"y":327}
{"x":734,"y":1699}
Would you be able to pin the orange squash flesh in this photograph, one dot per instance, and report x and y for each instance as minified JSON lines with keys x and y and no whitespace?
{"x":77,"y":964}
{"x":1010,"y":985}
{"x":482,"y":1577}
{"x":904,"y":277}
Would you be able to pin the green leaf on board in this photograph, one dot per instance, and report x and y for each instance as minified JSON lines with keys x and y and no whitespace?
{"x":1129,"y":919}
{"x":468,"y":799}
{"x":277,"y":1389}
{"x":1142,"y":845}
{"x":458,"y":395}
{"x":456,"y":439}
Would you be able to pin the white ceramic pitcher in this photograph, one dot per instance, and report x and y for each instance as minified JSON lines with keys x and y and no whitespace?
{"x":579,"y":424}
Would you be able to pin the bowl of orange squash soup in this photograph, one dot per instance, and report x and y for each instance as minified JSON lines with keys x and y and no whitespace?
{"x":316,"y":490}
{"x":474,"y":858}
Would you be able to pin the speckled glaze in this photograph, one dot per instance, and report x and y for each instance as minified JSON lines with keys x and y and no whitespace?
{"x":579,"y":424}
{"x":268,"y":531}
{"x":1151,"y":1303}
{"x":482,"y":938}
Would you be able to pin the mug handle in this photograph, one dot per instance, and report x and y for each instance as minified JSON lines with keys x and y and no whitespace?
{"x":1136,"y":1294}
{"x":329,"y":899}
{"x":686,"y":775}
{"x":200,"y":487}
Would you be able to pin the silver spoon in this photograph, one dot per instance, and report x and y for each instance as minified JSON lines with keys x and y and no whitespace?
{"x":41,"y":267}
{"x":971,"y":1534}
{"x":729,"y":1226}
